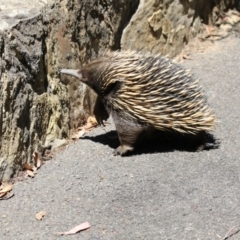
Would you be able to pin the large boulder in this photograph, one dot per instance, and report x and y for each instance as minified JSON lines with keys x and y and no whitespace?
{"x":167,"y":26}
{"x":37,"y":108}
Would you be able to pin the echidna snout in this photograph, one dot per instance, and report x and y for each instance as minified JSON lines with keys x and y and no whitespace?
{"x":72,"y":72}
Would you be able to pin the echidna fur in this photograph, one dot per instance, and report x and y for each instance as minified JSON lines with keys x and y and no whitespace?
{"x":142,"y":91}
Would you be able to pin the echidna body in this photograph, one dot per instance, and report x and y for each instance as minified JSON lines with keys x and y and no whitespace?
{"x":143,"y":91}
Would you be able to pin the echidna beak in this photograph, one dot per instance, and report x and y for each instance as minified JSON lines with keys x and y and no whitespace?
{"x":72,"y":72}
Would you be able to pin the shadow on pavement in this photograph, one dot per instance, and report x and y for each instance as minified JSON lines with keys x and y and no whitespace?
{"x":161,"y":142}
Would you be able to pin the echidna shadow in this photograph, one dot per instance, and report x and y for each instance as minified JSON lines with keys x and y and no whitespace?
{"x":148,"y":97}
{"x":160,"y":141}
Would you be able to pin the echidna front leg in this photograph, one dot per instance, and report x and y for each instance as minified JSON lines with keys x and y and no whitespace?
{"x":128,"y":133}
{"x":100,"y":111}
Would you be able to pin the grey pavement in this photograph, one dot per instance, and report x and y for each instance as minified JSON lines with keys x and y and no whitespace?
{"x":154,"y":194}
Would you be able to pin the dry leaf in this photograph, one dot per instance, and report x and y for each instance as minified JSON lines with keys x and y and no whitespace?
{"x":209,"y":29}
{"x":39,"y":216}
{"x":26,"y":166}
{"x":76,"y":229}
{"x":30,"y":173}
{"x":37,"y":161}
{"x":79,"y":134}
{"x":92,"y":120}
{"x":35,"y":169}
{"x":2,"y":194}
{"x":185,"y":56}
{"x":91,"y":123}
{"x":6,"y":189}
{"x":6,"y":196}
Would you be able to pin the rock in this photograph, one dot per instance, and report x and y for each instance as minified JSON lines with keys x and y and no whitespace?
{"x":167,"y":26}
{"x":13,"y":11}
{"x":38,"y":107}
{"x":55,"y":143}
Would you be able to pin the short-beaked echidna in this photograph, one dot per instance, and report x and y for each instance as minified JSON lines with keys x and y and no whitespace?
{"x":142,"y":91}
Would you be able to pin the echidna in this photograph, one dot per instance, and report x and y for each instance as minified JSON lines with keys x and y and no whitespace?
{"x":142,"y":91}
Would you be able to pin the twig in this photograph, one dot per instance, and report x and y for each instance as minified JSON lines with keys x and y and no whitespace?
{"x":228,"y":235}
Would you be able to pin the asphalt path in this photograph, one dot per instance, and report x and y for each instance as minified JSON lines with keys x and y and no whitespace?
{"x":157,"y":193}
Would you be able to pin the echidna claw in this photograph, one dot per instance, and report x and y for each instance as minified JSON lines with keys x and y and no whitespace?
{"x":116,"y":152}
{"x":122,"y":150}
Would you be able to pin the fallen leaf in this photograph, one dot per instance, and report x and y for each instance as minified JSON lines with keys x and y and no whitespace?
{"x":39,"y":216}
{"x":92,"y":120}
{"x":26,"y":166}
{"x":5,"y":191}
{"x":30,"y":173}
{"x":2,"y":194}
{"x":209,"y":29}
{"x":91,"y":123}
{"x":7,"y":188}
{"x":34,"y":169}
{"x":79,"y":134}
{"x":6,"y":196}
{"x":37,"y":161}
{"x":76,"y":229}
{"x":185,"y":56}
